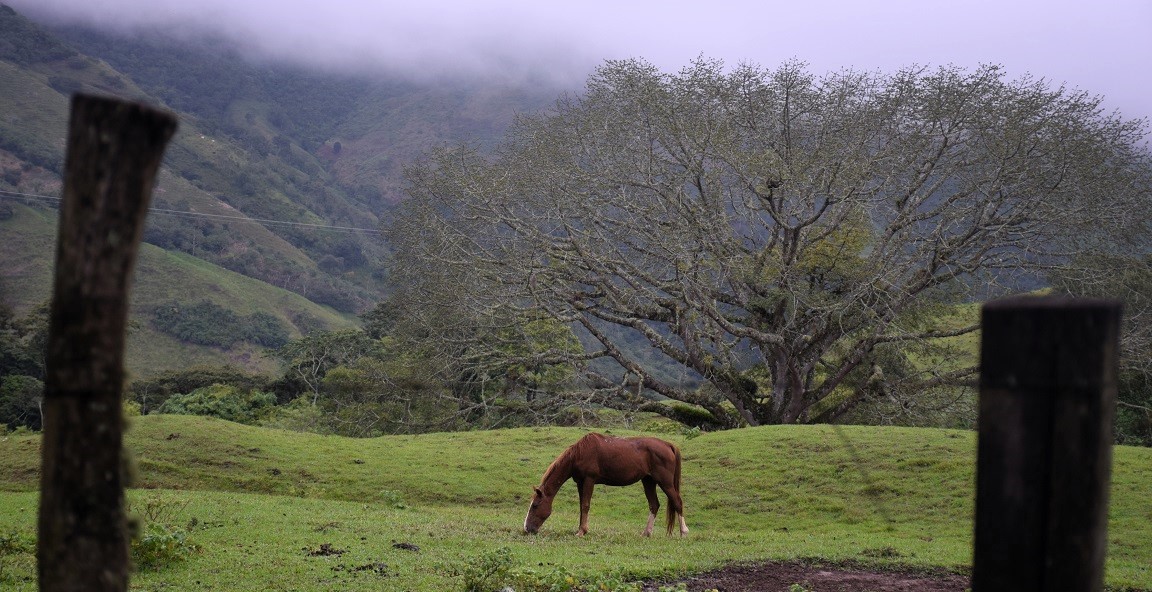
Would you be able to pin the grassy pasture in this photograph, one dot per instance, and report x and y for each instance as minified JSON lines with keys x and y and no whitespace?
{"x":277,"y":510}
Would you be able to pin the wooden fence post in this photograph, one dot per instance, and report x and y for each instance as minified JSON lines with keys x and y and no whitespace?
{"x":1048,"y":373}
{"x":114,"y":152}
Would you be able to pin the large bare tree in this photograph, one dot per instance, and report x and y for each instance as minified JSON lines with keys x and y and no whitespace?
{"x":782,"y":237}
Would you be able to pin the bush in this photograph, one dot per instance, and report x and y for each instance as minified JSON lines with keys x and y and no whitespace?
{"x":1134,"y":410}
{"x":203,"y":323}
{"x":160,"y":546}
{"x":490,"y":571}
{"x":160,"y":543}
{"x":300,"y":415}
{"x":222,"y":401}
{"x":693,"y":416}
{"x":20,"y":401}
{"x":266,"y":329}
{"x":151,"y":393}
{"x":207,"y":323}
{"x":131,"y":408}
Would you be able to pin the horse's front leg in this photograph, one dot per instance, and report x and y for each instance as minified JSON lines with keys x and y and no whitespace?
{"x":585,"y":487}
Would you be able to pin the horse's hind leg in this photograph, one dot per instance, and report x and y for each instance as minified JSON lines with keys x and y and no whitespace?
{"x":653,"y":504}
{"x":675,"y":508}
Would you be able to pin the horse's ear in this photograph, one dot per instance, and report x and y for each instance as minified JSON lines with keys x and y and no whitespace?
{"x":538,"y":492}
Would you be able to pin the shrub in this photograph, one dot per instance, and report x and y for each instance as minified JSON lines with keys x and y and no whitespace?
{"x":20,"y":401}
{"x":13,"y":544}
{"x":223,"y":401}
{"x":203,"y":323}
{"x":1134,"y":410}
{"x":266,"y":329}
{"x":151,"y":393}
{"x":490,"y":571}
{"x":207,"y":323}
{"x":300,"y":415}
{"x":691,"y":415}
{"x":160,"y":545}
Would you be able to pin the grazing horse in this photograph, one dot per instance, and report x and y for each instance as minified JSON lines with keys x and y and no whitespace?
{"x":612,"y":461}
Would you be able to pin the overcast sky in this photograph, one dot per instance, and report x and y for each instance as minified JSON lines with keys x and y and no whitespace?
{"x":1104,"y":47}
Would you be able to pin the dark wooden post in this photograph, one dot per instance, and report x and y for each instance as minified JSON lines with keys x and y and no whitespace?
{"x":114,"y":152}
{"x":1048,"y":372}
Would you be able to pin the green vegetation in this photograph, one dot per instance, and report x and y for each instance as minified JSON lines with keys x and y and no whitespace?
{"x":160,"y":542}
{"x":269,"y":509}
{"x":207,"y":323}
{"x":1134,"y":410}
{"x":41,"y":108}
{"x":15,"y":546}
{"x":150,"y":393}
{"x":222,"y":401}
{"x":1128,"y":279}
{"x":20,"y":401}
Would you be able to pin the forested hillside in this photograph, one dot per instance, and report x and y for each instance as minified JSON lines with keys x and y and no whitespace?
{"x":278,"y":174}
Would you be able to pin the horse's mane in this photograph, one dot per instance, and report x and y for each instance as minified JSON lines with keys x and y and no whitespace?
{"x":568,"y":456}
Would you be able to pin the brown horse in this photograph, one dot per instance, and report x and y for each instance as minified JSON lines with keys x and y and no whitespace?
{"x":612,"y":461}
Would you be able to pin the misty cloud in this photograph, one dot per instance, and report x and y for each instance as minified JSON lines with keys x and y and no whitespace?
{"x":1102,"y":49}
{"x":439,"y":38}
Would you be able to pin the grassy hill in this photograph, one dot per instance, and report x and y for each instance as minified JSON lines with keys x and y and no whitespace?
{"x":262,"y":503}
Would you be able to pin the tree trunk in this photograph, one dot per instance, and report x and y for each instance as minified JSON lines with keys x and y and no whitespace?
{"x":114,"y":152}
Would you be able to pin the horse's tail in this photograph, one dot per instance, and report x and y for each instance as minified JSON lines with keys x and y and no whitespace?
{"x":675,"y":504}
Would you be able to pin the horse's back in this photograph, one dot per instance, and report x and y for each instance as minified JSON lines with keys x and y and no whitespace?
{"x":624,"y":461}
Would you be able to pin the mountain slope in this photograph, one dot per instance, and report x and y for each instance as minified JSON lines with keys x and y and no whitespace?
{"x":267,"y":160}
{"x":162,"y":278}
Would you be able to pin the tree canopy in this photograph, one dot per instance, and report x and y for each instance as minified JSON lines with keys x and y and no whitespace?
{"x":1127,"y":279}
{"x":784,"y":238}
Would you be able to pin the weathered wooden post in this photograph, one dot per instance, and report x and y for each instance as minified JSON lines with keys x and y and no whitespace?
{"x":114,"y":152}
{"x":1048,"y":372}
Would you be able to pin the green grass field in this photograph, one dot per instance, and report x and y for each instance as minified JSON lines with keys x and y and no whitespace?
{"x":275,"y":510}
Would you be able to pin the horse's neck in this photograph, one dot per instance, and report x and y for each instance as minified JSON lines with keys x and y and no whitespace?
{"x":558,"y":472}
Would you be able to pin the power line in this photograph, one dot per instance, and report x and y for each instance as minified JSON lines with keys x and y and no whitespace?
{"x":183,"y":214}
{"x":7,"y":193}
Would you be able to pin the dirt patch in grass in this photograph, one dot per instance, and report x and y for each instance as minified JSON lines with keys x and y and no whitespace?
{"x":797,"y":576}
{"x":325,"y":550}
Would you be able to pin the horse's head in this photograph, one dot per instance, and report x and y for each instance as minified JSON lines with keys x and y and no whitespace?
{"x":538,"y":512}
